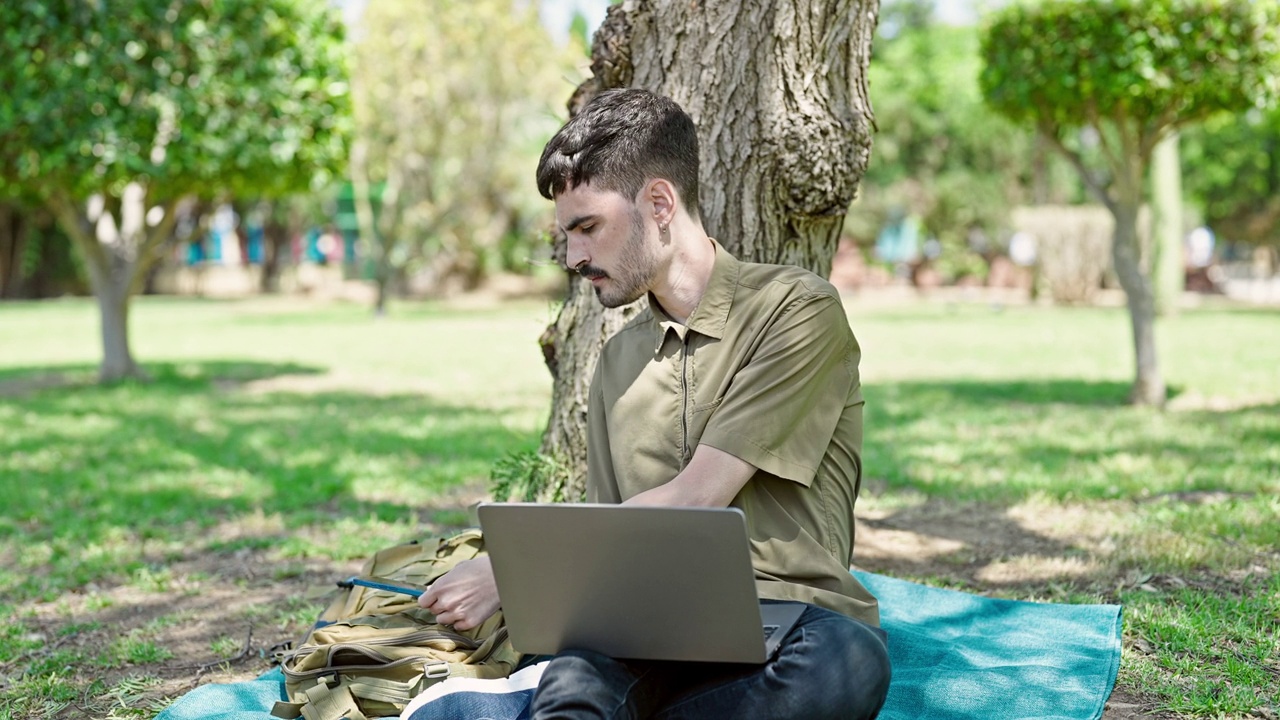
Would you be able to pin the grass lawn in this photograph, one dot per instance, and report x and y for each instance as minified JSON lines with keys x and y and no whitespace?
{"x":157,"y":536}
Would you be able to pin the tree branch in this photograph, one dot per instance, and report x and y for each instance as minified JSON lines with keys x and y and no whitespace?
{"x":1132,"y":168}
{"x":147,"y":255}
{"x":1156,"y":131}
{"x":1099,"y":124}
{"x":69,"y":217}
{"x":1078,"y":163}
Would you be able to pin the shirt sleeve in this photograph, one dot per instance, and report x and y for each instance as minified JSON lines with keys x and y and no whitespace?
{"x":602,"y":484}
{"x":784,"y":404}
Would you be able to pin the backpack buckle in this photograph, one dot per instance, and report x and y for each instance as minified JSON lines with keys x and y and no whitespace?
{"x":438,"y":669}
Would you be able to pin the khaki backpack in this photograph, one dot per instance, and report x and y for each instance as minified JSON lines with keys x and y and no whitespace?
{"x":372,"y":650}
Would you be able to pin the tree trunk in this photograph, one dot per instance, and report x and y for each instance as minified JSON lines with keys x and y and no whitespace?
{"x":1039,"y":170}
{"x":111,"y":288}
{"x":1148,"y":385}
{"x":117,"y":266}
{"x":274,"y":236}
{"x":1169,"y":270}
{"x":14,"y":232}
{"x":779,"y":93}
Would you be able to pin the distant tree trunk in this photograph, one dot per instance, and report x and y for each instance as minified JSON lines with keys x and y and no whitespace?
{"x":778,"y":89}
{"x":1131,"y":257}
{"x":1132,"y":267}
{"x":110,"y":286}
{"x":275,"y":237}
{"x":14,"y":232}
{"x":377,"y":233}
{"x":116,"y":266}
{"x":1169,"y":268}
{"x":1040,"y":171}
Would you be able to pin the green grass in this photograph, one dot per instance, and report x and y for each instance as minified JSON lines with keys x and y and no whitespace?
{"x":1026,"y":405}
{"x":319,"y":432}
{"x":108,"y":476}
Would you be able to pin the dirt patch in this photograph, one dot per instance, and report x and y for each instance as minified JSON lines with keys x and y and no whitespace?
{"x":995,"y":550}
{"x":983,"y":546}
{"x":219,"y":615}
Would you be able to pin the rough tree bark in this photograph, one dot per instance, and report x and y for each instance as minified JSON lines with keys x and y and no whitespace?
{"x":778,"y":89}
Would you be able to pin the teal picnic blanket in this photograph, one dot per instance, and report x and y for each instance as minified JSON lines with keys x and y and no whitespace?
{"x":956,"y":656}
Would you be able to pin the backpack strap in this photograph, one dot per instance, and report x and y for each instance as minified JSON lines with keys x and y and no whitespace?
{"x":325,"y":701}
{"x":388,"y":691}
{"x":287,"y":710}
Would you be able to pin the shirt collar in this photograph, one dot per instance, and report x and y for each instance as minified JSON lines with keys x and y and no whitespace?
{"x":712,"y":312}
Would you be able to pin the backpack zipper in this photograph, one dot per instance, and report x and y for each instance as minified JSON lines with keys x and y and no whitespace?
{"x":355,"y":669}
{"x":406,"y":639}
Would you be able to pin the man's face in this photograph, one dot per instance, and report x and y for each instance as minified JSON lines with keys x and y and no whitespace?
{"x":608,"y":243}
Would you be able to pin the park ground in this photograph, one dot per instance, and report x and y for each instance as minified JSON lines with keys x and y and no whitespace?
{"x":159,"y":536}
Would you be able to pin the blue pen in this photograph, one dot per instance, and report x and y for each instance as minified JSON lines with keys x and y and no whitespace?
{"x":383,"y":584}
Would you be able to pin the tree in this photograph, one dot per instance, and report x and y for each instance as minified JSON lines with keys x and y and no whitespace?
{"x":451,"y":97}
{"x":117,"y":112}
{"x":1129,"y":72}
{"x":778,"y":89}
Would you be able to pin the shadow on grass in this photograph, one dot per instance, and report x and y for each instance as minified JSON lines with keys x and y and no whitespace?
{"x":98,"y":472}
{"x":966,"y":452}
{"x":1004,"y":440}
{"x":25,"y":381}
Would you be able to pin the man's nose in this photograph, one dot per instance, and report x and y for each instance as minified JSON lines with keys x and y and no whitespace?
{"x":575,"y":252}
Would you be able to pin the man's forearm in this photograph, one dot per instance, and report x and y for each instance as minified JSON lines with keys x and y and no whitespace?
{"x":711,"y":479}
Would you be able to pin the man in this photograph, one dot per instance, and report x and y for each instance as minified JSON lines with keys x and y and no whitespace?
{"x":739,"y":386}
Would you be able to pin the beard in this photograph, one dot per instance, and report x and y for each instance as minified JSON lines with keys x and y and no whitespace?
{"x":634,"y":272}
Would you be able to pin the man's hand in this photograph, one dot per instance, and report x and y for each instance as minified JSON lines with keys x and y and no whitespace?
{"x":465,"y":596}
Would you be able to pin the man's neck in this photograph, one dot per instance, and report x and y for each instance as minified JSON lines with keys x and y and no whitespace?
{"x":680,"y":287}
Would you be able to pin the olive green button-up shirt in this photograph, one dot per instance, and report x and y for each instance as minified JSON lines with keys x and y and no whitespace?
{"x":765,"y":369}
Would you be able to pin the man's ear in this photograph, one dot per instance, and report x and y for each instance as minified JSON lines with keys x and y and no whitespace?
{"x":661,"y":194}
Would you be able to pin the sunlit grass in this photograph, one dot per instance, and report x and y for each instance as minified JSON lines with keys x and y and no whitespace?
{"x":320,"y":432}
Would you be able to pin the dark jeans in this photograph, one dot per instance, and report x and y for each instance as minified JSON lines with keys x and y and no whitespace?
{"x":829,"y":666}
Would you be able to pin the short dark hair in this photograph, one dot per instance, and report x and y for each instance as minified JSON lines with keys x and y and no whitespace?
{"x":621,"y":140}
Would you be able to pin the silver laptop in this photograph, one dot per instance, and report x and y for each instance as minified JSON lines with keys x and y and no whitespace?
{"x":631,"y":582}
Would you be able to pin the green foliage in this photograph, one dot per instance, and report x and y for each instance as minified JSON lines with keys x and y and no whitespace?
{"x":529,"y":477}
{"x":46,"y":264}
{"x":940,"y":153}
{"x":1068,"y":63}
{"x":454,"y":100}
{"x":187,"y":98}
{"x":1232,"y":170}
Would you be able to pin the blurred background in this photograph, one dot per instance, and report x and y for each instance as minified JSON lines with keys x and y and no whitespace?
{"x":956,"y":195}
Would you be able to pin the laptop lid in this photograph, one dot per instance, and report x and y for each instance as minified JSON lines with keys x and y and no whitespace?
{"x":629,"y":582}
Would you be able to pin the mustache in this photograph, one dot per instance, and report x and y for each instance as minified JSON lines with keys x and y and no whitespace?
{"x":591,"y":272}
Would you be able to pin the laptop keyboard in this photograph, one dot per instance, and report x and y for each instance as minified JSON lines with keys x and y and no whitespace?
{"x":769,"y":630}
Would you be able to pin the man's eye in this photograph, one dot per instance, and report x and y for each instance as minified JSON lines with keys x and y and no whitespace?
{"x":587,"y":229}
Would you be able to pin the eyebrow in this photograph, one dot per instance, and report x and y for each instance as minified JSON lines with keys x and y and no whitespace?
{"x":574,"y":223}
